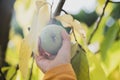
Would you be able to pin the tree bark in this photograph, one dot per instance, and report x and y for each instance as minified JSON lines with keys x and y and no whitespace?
{"x":6,"y":9}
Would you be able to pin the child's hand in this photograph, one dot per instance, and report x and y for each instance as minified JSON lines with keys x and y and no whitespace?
{"x":62,"y":57}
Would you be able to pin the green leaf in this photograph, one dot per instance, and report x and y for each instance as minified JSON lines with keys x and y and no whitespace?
{"x":80,"y":64}
{"x":5,"y":69}
{"x":96,"y":71}
{"x":115,"y":75}
{"x":112,"y":59}
{"x":101,"y":2}
{"x":24,"y":56}
{"x":11,"y":73}
{"x":109,"y":39}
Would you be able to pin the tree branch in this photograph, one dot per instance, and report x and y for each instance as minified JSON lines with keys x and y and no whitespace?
{"x":57,"y":11}
{"x":59,"y":8}
{"x":64,"y":11}
{"x":98,"y":21}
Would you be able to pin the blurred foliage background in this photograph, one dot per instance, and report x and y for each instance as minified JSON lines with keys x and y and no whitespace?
{"x":15,"y":20}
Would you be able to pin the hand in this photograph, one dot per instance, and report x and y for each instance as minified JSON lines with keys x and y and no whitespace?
{"x":63,"y":56}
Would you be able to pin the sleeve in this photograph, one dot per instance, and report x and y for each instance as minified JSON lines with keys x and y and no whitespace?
{"x":62,"y":72}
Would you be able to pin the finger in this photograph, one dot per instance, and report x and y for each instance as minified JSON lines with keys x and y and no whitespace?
{"x":66,"y":41}
{"x":42,"y":62}
{"x":64,"y":52}
{"x":38,"y":58}
{"x":65,"y":35}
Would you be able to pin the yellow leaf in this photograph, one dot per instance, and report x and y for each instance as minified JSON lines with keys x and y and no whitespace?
{"x":95,"y":67}
{"x":30,"y":43}
{"x":41,"y":18}
{"x":79,"y":29}
{"x":44,"y":15}
{"x":68,"y":21}
{"x":10,"y":72}
{"x":24,"y":56}
{"x":40,"y":3}
{"x":65,"y":20}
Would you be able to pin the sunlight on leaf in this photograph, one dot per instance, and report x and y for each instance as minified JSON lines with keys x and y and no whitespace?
{"x":101,"y":2}
{"x":37,"y":72}
{"x":96,"y":71}
{"x":24,"y":56}
{"x":43,"y":15}
{"x":115,"y":74}
{"x":4,"y":69}
{"x":10,"y":73}
{"x":30,"y":43}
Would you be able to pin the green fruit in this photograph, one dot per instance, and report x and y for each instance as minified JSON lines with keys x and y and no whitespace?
{"x":51,"y":38}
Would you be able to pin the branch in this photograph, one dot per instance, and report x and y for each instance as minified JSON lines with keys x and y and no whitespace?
{"x":57,"y":11}
{"x":59,"y":8}
{"x":2,"y":75}
{"x":98,"y":21}
{"x":30,"y":77}
{"x":64,"y":11}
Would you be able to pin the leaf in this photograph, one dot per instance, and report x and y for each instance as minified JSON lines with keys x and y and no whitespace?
{"x":109,"y":39}
{"x":4,"y":69}
{"x":65,"y":20}
{"x":30,"y":43}
{"x":43,"y":15}
{"x":40,"y":19}
{"x":96,"y":71}
{"x":36,"y":73}
{"x":115,"y":75}
{"x":74,"y":49}
{"x":11,"y":73}
{"x":68,"y":21}
{"x":24,"y":56}
{"x":40,"y":3}
{"x":101,"y":2}
{"x":112,"y":59}
{"x":80,"y":64}
{"x":79,"y":29}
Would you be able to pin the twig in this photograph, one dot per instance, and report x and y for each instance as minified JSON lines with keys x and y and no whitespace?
{"x":59,"y":8}
{"x":74,"y":34}
{"x":76,"y":40}
{"x":30,"y":77}
{"x":98,"y":21}
{"x":17,"y":67}
{"x":114,"y":2}
{"x":2,"y":75}
{"x":64,"y":11}
{"x":57,"y":11}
